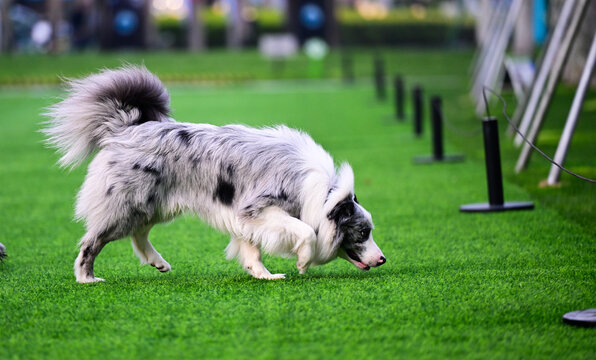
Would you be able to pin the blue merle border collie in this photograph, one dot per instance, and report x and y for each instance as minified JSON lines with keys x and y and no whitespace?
{"x":272,"y":189}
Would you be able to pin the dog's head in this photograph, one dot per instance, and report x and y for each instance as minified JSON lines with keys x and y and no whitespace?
{"x":352,"y":237}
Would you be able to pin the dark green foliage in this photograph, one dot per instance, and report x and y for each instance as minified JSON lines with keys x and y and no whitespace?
{"x":423,"y":34}
{"x":399,"y":27}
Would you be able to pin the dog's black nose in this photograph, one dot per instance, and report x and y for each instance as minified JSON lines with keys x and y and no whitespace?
{"x":381,"y":261}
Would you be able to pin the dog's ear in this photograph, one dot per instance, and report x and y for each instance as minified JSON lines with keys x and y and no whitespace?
{"x":342,"y":212}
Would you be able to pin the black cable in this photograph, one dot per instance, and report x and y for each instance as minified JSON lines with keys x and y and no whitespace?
{"x":485,"y":88}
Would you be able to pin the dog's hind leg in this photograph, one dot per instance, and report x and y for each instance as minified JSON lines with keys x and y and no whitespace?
{"x":250,"y":258}
{"x":91,"y":245}
{"x":146,"y":252}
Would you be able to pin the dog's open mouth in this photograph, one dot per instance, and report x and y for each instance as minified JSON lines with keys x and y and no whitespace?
{"x":355,"y":259}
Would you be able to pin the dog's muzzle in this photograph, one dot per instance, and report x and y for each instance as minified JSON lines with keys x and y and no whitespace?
{"x":352,"y":257}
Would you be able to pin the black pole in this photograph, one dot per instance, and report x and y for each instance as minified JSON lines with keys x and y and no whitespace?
{"x":398,"y":84}
{"x":494,"y":177}
{"x":438,"y":152}
{"x":379,"y":70}
{"x":417,"y":98}
{"x":437,"y":121}
{"x":492,"y":156}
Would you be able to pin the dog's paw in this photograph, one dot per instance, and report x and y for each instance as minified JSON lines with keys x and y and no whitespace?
{"x":302,"y":267}
{"x":268,"y":276}
{"x":162,"y":266}
{"x":274,"y":276}
{"x":89,"y":280}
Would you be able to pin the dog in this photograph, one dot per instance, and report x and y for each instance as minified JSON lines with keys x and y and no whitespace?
{"x":2,"y":252}
{"x":272,"y":189}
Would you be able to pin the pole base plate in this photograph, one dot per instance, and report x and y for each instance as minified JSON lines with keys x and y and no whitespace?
{"x":486,"y":207}
{"x":454,"y":158}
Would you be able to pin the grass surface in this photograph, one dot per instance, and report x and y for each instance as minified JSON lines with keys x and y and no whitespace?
{"x":574,"y":199}
{"x":455,"y":285}
{"x":221,"y":66}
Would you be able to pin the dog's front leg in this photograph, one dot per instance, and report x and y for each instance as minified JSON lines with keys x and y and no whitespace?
{"x":280,"y":233}
{"x":250,"y":258}
{"x":304,"y":251}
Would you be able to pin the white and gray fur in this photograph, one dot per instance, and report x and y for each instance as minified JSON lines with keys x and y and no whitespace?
{"x":272,"y":189}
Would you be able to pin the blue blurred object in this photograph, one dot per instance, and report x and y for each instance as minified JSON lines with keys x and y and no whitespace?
{"x":125,"y":22}
{"x":540,"y":21}
{"x":312,"y":16}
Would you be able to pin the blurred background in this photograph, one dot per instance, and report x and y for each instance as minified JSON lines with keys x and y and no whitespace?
{"x":279,"y":29}
{"x":58,"y":26}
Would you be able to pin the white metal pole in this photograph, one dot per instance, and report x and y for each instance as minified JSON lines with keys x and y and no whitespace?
{"x":502,"y":16}
{"x":496,"y":61}
{"x":553,"y":46}
{"x":497,"y":22}
{"x":555,"y":172}
{"x":483,"y":21}
{"x":557,"y":68}
{"x":491,"y":30}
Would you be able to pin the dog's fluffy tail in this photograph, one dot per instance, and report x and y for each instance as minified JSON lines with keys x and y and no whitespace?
{"x":102,"y":105}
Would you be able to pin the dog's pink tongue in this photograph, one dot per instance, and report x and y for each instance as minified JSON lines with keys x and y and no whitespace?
{"x":363,"y":266}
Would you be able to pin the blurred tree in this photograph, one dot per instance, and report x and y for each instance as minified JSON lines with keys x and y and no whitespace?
{"x":81,"y":24}
{"x":54,"y":9}
{"x":150,"y":30}
{"x":196,"y":28}
{"x":5,"y":26}
{"x":237,"y":27}
{"x":482,"y":21}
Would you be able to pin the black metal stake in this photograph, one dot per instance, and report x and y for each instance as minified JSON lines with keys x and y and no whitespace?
{"x":492,"y":157}
{"x":494,"y":177}
{"x":379,"y":71}
{"x":438,"y":155}
{"x":398,"y":85}
{"x":417,"y":98}
{"x":437,"y":124}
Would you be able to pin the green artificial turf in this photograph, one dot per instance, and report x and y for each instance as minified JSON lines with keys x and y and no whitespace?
{"x":221,"y":67}
{"x":573,"y":199}
{"x":455,"y":285}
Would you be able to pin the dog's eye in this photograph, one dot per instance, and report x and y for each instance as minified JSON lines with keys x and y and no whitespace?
{"x":364,"y":233}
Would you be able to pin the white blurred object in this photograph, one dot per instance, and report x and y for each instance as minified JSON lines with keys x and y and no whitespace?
{"x":2,"y":251}
{"x":316,"y":48}
{"x":371,"y":10}
{"x":41,"y":32}
{"x":472,"y":7}
{"x":174,"y":8}
{"x":450,"y":9}
{"x":278,"y":46}
{"x":521,"y":72}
